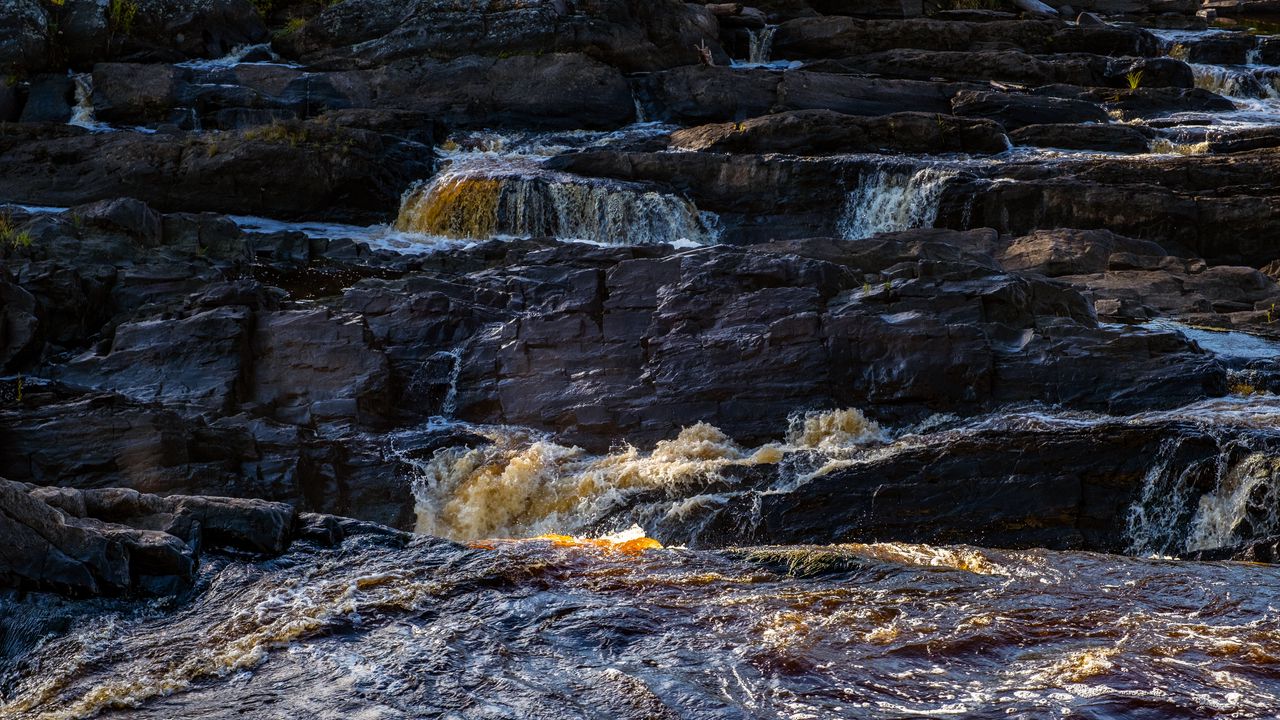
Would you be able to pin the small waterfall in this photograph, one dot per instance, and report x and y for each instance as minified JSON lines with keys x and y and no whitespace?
{"x":82,"y":114}
{"x":1176,"y":514}
{"x":1227,"y":81}
{"x":1244,"y":505}
{"x":481,"y":206}
{"x":889,"y":200}
{"x":760,"y":45}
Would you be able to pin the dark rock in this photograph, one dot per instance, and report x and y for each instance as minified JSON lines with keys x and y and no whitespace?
{"x":1014,"y":111}
{"x":49,"y":100}
{"x":24,"y":29}
{"x":158,"y":30}
{"x":290,"y":169}
{"x":816,"y":132}
{"x":1143,"y":102}
{"x":1015,"y":67}
{"x":713,"y":94}
{"x":634,"y":35}
{"x":313,"y":366}
{"x":1106,"y":138}
{"x":1067,"y":487}
{"x":19,"y":326}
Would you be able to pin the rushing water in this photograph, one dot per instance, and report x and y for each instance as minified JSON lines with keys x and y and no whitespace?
{"x":563,"y":629}
{"x":891,"y":199}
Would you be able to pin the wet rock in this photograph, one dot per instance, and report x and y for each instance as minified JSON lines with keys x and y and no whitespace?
{"x":1014,"y":111}
{"x":1016,"y":67}
{"x":810,"y":132}
{"x":634,"y":35}
{"x":1071,"y":252}
{"x":1144,"y":102}
{"x":136,"y":92}
{"x":200,"y":360}
{"x":879,"y":325}
{"x":1091,"y":136}
{"x":1067,"y":487}
{"x":113,"y":541}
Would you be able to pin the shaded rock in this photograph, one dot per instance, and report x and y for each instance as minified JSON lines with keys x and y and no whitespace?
{"x":23,"y":32}
{"x":313,"y":366}
{"x":1014,"y":111}
{"x":634,"y":35}
{"x":1071,"y":252}
{"x":809,"y":132}
{"x":1016,"y":67}
{"x":292,"y":169}
{"x":1106,"y":138}
{"x":159,"y":30}
{"x":49,"y":100}
{"x":714,"y":94}
{"x":19,"y":326}
{"x":1143,"y":102}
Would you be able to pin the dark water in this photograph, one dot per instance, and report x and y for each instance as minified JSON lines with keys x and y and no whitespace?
{"x":530,"y":629}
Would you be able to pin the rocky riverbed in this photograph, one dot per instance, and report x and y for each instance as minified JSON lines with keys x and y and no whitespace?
{"x":937,"y":339}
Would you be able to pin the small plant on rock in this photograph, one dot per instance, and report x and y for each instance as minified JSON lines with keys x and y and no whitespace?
{"x":121,"y":14}
{"x":1134,"y":79}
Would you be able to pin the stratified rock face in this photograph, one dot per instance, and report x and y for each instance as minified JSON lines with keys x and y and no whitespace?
{"x":155,"y":30}
{"x":23,"y":36}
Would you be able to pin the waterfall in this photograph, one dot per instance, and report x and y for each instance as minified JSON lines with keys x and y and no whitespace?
{"x":1175,"y":514}
{"x":1243,"y":506}
{"x":760,"y":46}
{"x":889,"y":200}
{"x":1231,"y":82}
{"x":481,"y":206}
{"x":82,"y":114}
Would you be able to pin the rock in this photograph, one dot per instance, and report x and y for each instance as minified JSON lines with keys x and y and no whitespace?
{"x":1105,"y":138}
{"x":1064,"y":488}
{"x":1071,"y":252}
{"x":115,"y":541}
{"x":159,"y":30}
{"x":288,"y":169}
{"x":136,"y":92}
{"x":313,"y":366}
{"x":813,"y":132}
{"x":49,"y":100}
{"x":24,"y":29}
{"x":897,"y":339}
{"x":697,"y":94}
{"x":835,"y":37}
{"x":200,"y":360}
{"x":870,"y":8}
{"x":1143,"y":102}
{"x":1014,"y":111}
{"x":19,"y":326}
{"x":632,"y":35}
{"x":1015,"y":67}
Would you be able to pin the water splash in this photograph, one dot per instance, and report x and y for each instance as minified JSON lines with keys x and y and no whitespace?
{"x":1232,"y":82}
{"x":760,"y":44}
{"x":890,"y":200}
{"x":1245,"y":505}
{"x":82,"y":114}
{"x":1219,"y":503}
{"x":524,"y":484}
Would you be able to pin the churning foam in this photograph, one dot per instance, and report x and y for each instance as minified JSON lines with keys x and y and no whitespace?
{"x":521,"y":486}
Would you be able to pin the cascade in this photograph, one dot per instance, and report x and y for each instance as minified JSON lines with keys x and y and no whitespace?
{"x":82,"y":114}
{"x":1227,"y":81}
{"x":527,"y":202}
{"x":890,"y":200}
{"x":1176,"y":514}
{"x":761,"y":44}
